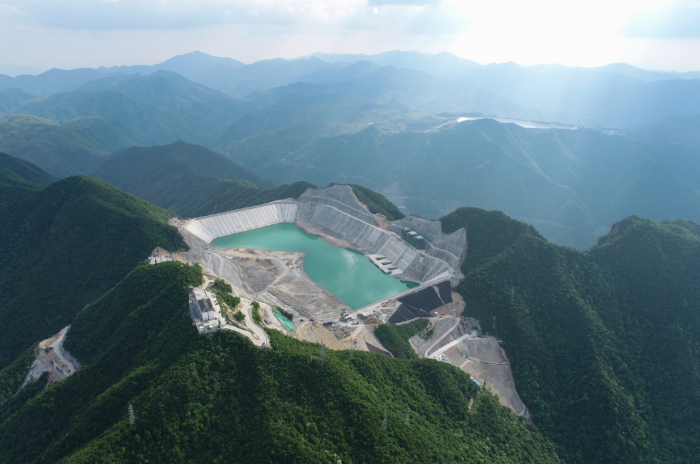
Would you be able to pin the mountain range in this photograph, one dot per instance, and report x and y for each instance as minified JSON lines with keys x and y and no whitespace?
{"x":602,"y":344}
{"x":560,"y":93}
{"x":572,"y":184}
{"x":401,"y":123}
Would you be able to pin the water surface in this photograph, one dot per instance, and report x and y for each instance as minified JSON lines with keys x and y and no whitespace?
{"x":349,"y":275}
{"x":521,"y":123}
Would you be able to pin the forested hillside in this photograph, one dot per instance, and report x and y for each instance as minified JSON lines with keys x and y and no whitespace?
{"x":219,"y":399}
{"x":64,"y":246}
{"x":60,"y":150}
{"x":603,"y":344}
{"x":173,"y":94}
{"x":153,"y":173}
{"x":26,"y":170}
{"x":190,"y":180}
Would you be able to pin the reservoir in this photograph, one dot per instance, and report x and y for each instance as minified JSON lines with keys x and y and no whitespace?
{"x":524,"y":124}
{"x":349,"y":275}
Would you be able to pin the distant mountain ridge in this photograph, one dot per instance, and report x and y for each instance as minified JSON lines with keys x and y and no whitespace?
{"x":60,"y":150}
{"x":190,"y":180}
{"x":26,"y":170}
{"x":189,"y":65}
{"x":571,"y":184}
{"x":617,"y":95}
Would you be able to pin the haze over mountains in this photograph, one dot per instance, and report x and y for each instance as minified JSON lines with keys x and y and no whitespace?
{"x":602,"y":343}
{"x":588,"y":335}
{"x":389,"y":122}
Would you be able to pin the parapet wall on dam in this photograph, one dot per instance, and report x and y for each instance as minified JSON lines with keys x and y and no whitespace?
{"x":337,"y":210}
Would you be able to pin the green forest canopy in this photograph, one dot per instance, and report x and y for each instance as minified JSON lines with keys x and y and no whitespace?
{"x":65,"y":246}
{"x":219,"y":399}
{"x":604,"y":345}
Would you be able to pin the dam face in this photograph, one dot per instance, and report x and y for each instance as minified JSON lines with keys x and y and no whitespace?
{"x":207,"y":228}
{"x":336,"y":212}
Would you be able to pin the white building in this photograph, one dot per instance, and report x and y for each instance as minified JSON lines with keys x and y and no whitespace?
{"x":205,"y":308}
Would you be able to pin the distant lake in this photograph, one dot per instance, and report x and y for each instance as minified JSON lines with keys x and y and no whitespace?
{"x":349,"y":275}
{"x":525,"y":124}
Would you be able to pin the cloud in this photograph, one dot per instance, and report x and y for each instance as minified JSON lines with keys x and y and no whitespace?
{"x":177,"y":14}
{"x":284,"y":15}
{"x":678,"y":20}
{"x":403,"y":2}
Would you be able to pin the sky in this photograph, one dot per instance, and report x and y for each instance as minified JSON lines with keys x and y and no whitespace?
{"x":651,"y":34}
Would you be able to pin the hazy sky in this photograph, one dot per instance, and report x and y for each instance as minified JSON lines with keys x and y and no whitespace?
{"x":654,"y":34}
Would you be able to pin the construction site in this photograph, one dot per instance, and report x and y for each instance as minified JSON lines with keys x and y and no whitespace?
{"x":411,"y":249}
{"x":270,"y":289}
{"x":52,"y":358}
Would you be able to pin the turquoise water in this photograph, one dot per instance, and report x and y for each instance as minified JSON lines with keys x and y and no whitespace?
{"x":349,"y":275}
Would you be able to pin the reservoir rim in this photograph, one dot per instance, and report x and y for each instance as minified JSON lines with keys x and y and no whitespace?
{"x":329,"y":240}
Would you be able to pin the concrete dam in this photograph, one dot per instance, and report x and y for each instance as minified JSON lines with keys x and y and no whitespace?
{"x":336,"y":213}
{"x":207,"y":228}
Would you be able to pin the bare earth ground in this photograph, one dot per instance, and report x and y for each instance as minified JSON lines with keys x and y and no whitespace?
{"x":274,"y":277}
{"x":459,"y":342}
{"x":56,"y":361}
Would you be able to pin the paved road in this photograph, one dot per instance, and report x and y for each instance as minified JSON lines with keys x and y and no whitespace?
{"x":246,"y":334}
{"x":58,"y":349}
{"x":442,"y":337}
{"x":254,"y":327}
